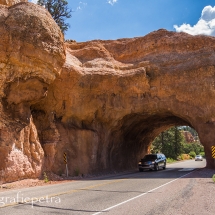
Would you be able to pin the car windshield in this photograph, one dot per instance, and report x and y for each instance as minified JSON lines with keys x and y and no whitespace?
{"x":150,"y":157}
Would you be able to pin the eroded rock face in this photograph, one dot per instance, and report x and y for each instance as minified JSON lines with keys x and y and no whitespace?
{"x":114,"y":97}
{"x":24,"y":154}
{"x":31,"y":43}
{"x":105,"y":104}
{"x":31,"y":56}
{"x":188,"y":137}
{"x":11,"y":2}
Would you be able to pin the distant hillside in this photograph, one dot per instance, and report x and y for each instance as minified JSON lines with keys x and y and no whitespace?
{"x":189,"y":138}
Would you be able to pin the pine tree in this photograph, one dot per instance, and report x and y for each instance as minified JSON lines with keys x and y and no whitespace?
{"x":169,"y":142}
{"x":59,"y":11}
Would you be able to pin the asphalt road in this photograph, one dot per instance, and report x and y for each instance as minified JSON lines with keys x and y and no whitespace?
{"x":129,"y":193}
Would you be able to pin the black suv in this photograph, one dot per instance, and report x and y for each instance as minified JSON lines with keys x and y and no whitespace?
{"x":152,"y":161}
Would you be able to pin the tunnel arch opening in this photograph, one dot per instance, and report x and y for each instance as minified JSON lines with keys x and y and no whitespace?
{"x":178,"y":143}
{"x":134,"y":134}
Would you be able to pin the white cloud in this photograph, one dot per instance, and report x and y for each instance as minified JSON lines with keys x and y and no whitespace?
{"x":81,"y":5}
{"x":205,"y":25}
{"x":112,"y":2}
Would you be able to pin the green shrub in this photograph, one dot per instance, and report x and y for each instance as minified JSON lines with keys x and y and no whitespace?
{"x":45,"y":177}
{"x":213,"y":177}
{"x":170,"y":160}
{"x":180,"y":157}
{"x":192,"y":154}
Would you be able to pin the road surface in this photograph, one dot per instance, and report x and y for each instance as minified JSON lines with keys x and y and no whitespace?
{"x":129,"y":193}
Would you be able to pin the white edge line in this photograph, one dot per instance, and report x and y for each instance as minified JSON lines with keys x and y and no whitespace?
{"x":139,"y":195}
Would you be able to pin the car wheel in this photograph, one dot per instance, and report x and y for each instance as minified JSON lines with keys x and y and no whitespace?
{"x":141,"y":170}
{"x":164,"y":167}
{"x":156,"y":167}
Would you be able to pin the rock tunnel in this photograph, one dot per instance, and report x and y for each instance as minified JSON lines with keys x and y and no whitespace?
{"x":100,"y":102}
{"x":114,"y":97}
{"x":136,"y":133}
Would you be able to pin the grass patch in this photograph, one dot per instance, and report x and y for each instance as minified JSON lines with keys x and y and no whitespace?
{"x":170,"y":160}
{"x":213,"y":177}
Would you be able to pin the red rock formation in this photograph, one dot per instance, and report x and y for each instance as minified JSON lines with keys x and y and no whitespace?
{"x":114,"y":97}
{"x":110,"y":101}
{"x":25,"y":155}
{"x":31,"y":56}
{"x":11,"y":2}
{"x":188,"y":137}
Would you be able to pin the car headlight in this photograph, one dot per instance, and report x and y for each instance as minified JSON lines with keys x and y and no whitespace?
{"x":151,"y":162}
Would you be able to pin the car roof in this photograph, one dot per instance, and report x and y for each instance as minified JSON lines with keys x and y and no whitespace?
{"x":156,"y":154}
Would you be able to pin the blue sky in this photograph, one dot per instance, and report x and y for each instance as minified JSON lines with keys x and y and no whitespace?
{"x":113,"y":19}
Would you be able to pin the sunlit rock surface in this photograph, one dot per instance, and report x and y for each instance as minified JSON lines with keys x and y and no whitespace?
{"x":31,"y":56}
{"x":114,"y":97}
{"x":11,"y":2}
{"x":100,"y":102}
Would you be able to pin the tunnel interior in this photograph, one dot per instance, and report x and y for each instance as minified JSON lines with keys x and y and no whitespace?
{"x":135,"y":134}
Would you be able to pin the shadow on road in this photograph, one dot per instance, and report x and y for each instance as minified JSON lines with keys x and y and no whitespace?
{"x":167,"y":173}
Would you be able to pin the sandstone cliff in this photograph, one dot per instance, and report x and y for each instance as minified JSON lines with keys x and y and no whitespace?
{"x":114,"y":97}
{"x":31,"y":56}
{"x":104,"y":103}
{"x":189,"y":138}
{"x":11,"y":2}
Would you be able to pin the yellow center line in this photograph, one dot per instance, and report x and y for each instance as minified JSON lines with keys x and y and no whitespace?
{"x":86,"y":188}
{"x":33,"y":199}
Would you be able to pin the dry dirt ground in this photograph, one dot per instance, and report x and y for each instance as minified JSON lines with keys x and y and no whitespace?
{"x":52,"y":179}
